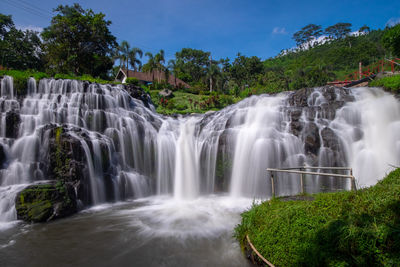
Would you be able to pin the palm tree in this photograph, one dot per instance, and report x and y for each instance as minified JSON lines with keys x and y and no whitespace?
{"x":159,"y":60}
{"x":116,"y":55}
{"x":124,"y":48}
{"x":172,"y":65}
{"x":212,"y":73}
{"x":133,"y":59}
{"x":151,"y":65}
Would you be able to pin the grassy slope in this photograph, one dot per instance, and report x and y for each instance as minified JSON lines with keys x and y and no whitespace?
{"x":342,"y":56}
{"x":336,"y":229}
{"x":391,"y":83}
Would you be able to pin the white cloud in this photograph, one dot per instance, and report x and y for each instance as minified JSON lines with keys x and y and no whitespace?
{"x":279,"y":30}
{"x":392,"y":21}
{"x":29,"y":27}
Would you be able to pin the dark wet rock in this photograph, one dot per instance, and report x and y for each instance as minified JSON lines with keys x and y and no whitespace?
{"x":138,"y":93}
{"x":296,"y":127}
{"x":3,"y":156}
{"x":309,"y":107}
{"x":64,"y":159}
{"x":330,"y":139}
{"x":13,"y":121}
{"x":45,"y":202}
{"x":311,"y":138}
{"x":224,"y":162}
{"x":299,"y":97}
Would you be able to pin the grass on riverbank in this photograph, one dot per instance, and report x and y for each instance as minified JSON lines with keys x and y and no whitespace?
{"x":391,"y":83}
{"x":336,"y":229}
{"x":21,"y":78}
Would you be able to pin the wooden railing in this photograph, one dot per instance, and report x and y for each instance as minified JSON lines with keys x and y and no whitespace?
{"x":302,"y":171}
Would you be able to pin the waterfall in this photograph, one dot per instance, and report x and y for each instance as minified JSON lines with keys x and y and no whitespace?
{"x":126,"y":150}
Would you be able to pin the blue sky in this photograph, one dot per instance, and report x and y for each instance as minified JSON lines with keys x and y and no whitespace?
{"x":224,"y":27}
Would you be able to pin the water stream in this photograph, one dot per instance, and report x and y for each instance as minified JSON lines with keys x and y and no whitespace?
{"x":184,"y":180}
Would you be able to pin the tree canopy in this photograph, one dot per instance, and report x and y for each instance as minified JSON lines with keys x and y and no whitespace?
{"x":79,"y":41}
{"x":307,"y":34}
{"x":391,"y":39}
{"x":339,"y":30}
{"x":19,"y":49}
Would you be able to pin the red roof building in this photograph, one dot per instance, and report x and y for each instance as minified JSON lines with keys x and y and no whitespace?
{"x":149,"y":77}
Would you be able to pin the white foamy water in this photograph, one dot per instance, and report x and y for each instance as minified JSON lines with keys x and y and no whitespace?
{"x":132,"y":152}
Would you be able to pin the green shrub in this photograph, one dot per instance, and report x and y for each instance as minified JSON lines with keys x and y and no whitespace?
{"x":171,"y":104}
{"x":181,"y":107}
{"x":391,"y":83}
{"x":132,"y":81}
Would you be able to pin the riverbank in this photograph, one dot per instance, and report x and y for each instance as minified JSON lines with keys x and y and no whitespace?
{"x":343,"y":228}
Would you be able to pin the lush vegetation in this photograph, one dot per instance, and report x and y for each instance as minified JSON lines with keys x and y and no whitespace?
{"x":391,"y":83}
{"x":78,"y":43}
{"x":19,"y":49}
{"x":335,"y":229}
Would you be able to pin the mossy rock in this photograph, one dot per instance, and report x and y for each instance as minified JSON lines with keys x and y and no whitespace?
{"x":45,"y":202}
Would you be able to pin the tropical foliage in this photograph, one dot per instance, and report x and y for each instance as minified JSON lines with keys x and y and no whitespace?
{"x":78,"y":41}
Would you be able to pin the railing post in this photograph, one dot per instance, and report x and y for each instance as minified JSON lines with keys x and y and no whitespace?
{"x":302,"y":183}
{"x":272,"y":185}
{"x":353,"y":181}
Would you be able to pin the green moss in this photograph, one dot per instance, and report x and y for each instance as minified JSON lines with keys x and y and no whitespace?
{"x":38,"y":203}
{"x":343,"y":228}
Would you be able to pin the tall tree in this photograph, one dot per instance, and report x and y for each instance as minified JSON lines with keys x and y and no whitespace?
{"x":364,"y":29}
{"x":151,"y":65}
{"x":213,"y":74}
{"x":19,"y":49}
{"x":159,"y":59}
{"x":339,"y":30}
{"x":173,"y":67}
{"x":79,"y":41}
{"x":391,"y":40}
{"x":193,"y":64}
{"x":307,"y":34}
{"x":124,"y":49}
{"x":6,"y":23}
{"x":116,"y":55}
{"x":134,"y":61}
{"x":244,"y":69}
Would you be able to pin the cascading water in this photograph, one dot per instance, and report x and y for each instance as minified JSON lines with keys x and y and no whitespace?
{"x":130,"y":151}
{"x":201,"y":171}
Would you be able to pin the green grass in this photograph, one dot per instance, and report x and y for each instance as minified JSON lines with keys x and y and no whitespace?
{"x":336,"y":229}
{"x":186,"y":103}
{"x":391,"y":83}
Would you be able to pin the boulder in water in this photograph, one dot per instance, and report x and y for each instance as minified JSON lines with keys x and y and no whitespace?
{"x":45,"y":202}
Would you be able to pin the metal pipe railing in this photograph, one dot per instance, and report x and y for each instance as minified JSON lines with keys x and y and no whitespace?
{"x":303,"y":173}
